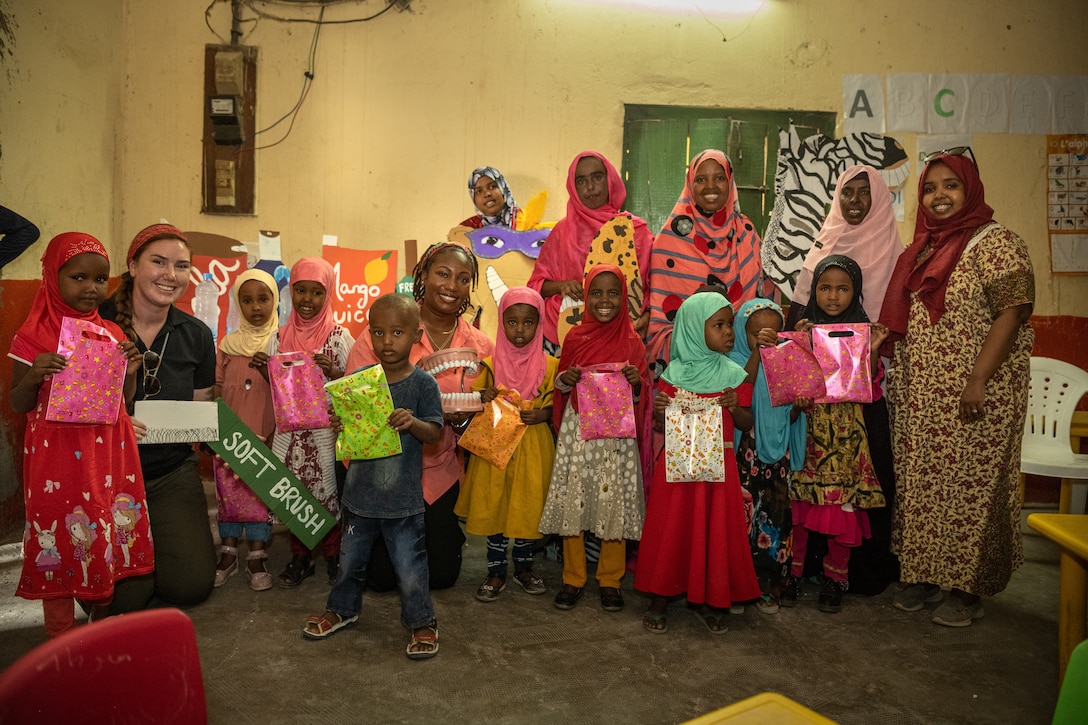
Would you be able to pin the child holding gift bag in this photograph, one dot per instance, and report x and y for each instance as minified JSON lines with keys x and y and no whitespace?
{"x":383,"y":497}
{"x":311,"y":454}
{"x":695,"y":540}
{"x":767,"y":453}
{"x":86,"y":509}
{"x":596,"y":485}
{"x":242,"y":387}
{"x":503,"y":504}
{"x":838,"y":483}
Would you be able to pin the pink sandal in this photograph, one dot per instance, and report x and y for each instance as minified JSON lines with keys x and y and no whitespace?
{"x":259,"y":581}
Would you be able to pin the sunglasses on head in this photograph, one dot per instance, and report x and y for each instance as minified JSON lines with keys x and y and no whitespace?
{"x":954,"y":151}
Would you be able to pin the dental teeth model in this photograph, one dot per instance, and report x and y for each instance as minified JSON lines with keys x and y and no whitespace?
{"x":461,"y":402}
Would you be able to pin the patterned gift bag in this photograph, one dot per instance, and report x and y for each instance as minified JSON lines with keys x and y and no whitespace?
{"x":694,"y":447}
{"x":496,"y":431}
{"x":363,"y":402}
{"x":605,"y":403}
{"x":843,"y":353}
{"x":791,"y":369}
{"x":91,"y":386}
{"x":298,"y":392}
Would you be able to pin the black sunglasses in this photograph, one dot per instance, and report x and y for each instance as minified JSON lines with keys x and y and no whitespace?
{"x":954,"y":151}
{"x":152,"y":386}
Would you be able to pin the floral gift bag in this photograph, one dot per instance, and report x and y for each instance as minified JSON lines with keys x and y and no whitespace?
{"x":363,"y":402}
{"x":843,"y":353}
{"x":496,"y":431}
{"x":791,"y":369}
{"x":694,"y":447}
{"x":605,"y":403}
{"x":298,"y":392}
{"x":91,"y":386}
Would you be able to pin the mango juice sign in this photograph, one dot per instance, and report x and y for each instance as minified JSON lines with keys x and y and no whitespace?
{"x":362,"y":276}
{"x":270,"y":479}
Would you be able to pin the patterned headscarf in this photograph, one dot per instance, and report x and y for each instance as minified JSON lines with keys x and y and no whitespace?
{"x":692,"y":248}
{"x":774,"y":433}
{"x":509,"y":211}
{"x":520,"y":368}
{"x":855,"y":312}
{"x":41,"y":330}
{"x":873,"y":243}
{"x":249,"y":339}
{"x":692,"y":365}
{"x":310,"y":335}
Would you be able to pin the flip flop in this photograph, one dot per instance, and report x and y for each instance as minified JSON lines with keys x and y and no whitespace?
{"x":657,"y":619}
{"x":719,"y":619}
{"x":324,"y":626}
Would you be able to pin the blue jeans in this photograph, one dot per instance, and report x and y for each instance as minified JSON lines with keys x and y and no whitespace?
{"x":255,"y":530}
{"x":404,"y":539}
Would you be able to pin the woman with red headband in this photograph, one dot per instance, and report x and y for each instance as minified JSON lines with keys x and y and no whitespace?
{"x":179,"y":364}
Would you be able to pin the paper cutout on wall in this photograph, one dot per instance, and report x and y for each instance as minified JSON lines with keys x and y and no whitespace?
{"x":804,"y":186}
{"x":1067,"y":202}
{"x":362,"y":276}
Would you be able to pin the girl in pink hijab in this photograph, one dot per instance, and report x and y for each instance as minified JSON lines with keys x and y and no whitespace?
{"x":311,"y":454}
{"x":504,"y":504}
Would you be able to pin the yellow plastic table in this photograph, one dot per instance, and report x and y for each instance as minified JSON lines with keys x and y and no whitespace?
{"x":768,"y":708}
{"x":1070,"y":532}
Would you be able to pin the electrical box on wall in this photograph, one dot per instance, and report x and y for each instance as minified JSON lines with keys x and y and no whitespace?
{"x":230,"y":103}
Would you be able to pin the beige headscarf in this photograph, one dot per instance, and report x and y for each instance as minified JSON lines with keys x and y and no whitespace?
{"x":249,"y":339}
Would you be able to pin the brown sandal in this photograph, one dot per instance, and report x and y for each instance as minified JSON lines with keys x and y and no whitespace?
{"x":425,"y":638}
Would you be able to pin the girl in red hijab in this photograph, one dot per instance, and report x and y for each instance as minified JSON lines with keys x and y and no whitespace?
{"x":86,"y":510}
{"x":596,"y":485}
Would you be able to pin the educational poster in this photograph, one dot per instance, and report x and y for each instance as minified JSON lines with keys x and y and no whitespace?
{"x":362,"y":276}
{"x":1067,"y":203}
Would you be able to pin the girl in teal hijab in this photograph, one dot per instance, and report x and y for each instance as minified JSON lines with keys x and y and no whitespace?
{"x":772,"y":428}
{"x":693,"y":366}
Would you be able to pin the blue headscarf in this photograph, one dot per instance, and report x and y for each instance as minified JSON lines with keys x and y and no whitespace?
{"x":774,"y":433}
{"x":692,"y":365}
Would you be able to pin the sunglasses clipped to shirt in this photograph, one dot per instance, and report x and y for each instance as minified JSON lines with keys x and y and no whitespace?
{"x":954,"y":151}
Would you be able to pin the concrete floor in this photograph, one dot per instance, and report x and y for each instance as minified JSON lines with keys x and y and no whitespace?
{"x":521,"y":660}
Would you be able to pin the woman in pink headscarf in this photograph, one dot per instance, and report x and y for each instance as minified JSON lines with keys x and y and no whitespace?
{"x":311,"y":454}
{"x":861,"y":225}
{"x":595,"y":194}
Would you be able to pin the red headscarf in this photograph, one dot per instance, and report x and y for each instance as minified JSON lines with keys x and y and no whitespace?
{"x":520,"y":368}
{"x":946,"y":238}
{"x":300,"y":335}
{"x":563,"y":255}
{"x":41,"y":331}
{"x":591,"y":342}
{"x":153,"y":232}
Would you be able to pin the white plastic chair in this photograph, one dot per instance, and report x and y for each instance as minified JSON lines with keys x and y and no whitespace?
{"x":1056,"y":388}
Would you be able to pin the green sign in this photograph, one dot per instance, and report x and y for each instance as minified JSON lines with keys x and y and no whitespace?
{"x":270,"y":479}
{"x":404,"y":287}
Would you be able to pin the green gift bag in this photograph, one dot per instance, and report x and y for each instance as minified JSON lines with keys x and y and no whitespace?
{"x":363,"y":402}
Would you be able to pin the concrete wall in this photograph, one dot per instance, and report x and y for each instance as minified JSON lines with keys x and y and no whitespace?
{"x":101,"y":123}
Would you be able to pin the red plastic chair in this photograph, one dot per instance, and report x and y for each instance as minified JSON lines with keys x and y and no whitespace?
{"x":139,"y":667}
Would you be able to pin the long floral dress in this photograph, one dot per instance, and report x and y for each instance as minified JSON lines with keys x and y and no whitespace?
{"x":766,"y":491}
{"x":957,"y":513}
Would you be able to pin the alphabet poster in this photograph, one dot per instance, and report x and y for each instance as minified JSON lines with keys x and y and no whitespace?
{"x":1067,"y":203}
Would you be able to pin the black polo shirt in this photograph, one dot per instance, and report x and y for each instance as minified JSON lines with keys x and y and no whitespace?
{"x":188,"y":364}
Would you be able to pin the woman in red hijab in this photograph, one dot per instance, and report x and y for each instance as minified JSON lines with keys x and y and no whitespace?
{"x":957,"y":308}
{"x":595,"y":194}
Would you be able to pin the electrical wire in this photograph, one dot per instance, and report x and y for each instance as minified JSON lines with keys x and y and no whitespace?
{"x":261,"y":13}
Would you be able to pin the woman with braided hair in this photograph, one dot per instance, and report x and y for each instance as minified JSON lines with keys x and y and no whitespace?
{"x":444,"y":278}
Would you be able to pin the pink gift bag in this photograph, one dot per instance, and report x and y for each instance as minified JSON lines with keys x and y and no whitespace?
{"x":605,"y":403}
{"x":791,"y":369}
{"x":843,"y":353}
{"x":299,"y":400}
{"x":91,"y":386}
